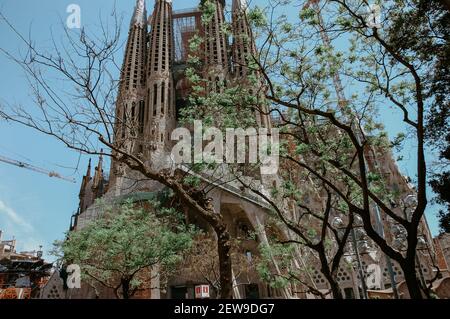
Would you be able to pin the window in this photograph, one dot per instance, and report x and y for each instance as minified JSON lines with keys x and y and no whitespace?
{"x":133,"y":111}
{"x":148,"y":103}
{"x":163,"y":96}
{"x":155,"y":98}
{"x":124,"y":123}
{"x":170,"y":100}
{"x":141,"y":116}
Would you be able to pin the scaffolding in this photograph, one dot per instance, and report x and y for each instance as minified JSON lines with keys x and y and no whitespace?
{"x":186,"y":24}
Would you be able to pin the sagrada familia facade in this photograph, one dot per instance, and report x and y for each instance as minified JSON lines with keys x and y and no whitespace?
{"x":153,"y":89}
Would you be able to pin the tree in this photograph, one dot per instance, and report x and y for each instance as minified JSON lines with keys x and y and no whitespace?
{"x":237,"y":101}
{"x":203,"y":261}
{"x":313,"y":227}
{"x":334,"y":140}
{"x":441,"y":186}
{"x":423,"y":28}
{"x":338,"y":141}
{"x":127,"y":247}
{"x":74,"y":89}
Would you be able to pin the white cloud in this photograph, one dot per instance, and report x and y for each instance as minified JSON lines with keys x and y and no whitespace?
{"x":18,"y":227}
{"x":15,"y":218}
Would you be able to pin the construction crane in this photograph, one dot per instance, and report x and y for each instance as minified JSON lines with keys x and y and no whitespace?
{"x":35,"y":169}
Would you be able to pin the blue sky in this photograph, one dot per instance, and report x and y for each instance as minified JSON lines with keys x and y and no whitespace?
{"x":33,"y":207}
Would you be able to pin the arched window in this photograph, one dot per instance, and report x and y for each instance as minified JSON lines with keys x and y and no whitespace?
{"x":124,"y":122}
{"x":169,"y":105}
{"x":155,"y":98}
{"x":163,"y":96}
{"x":148,"y":103}
{"x":133,"y":111}
{"x":141,"y":116}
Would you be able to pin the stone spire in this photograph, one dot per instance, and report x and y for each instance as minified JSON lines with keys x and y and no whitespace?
{"x":239,"y":5}
{"x":84,"y":189}
{"x":88,"y":172}
{"x":86,"y":179}
{"x":216,"y":46}
{"x":98,"y":176}
{"x":98,"y":182}
{"x":140,"y":14}
{"x":133,"y":70}
{"x":160,"y":86}
{"x":243,"y":44}
{"x":130,"y":105}
{"x":92,"y":187}
{"x":243,"y":48}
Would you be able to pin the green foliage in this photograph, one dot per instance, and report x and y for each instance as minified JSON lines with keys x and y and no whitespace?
{"x":208,"y":8}
{"x":441,"y":185}
{"x":307,"y":13}
{"x":291,"y":190}
{"x":353,"y":78}
{"x":192,"y":180}
{"x":125,"y":242}
{"x":398,"y":141}
{"x":283,"y":254}
{"x":257,"y":17}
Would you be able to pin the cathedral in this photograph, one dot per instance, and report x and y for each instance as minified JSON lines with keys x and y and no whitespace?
{"x":153,"y":89}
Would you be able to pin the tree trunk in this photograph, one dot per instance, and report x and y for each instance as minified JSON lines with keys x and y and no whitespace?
{"x":197,"y":201}
{"x":412,"y":282}
{"x":223,"y":248}
{"x":325,"y":269}
{"x":335,"y":288}
{"x":125,"y":288}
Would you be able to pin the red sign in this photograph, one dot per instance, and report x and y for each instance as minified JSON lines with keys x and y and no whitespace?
{"x":202,"y":291}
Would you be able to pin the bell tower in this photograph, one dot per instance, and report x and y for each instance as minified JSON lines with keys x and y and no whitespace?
{"x":130,"y":106}
{"x":160,"y":93}
{"x":216,"y":60}
{"x":243,"y":50}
